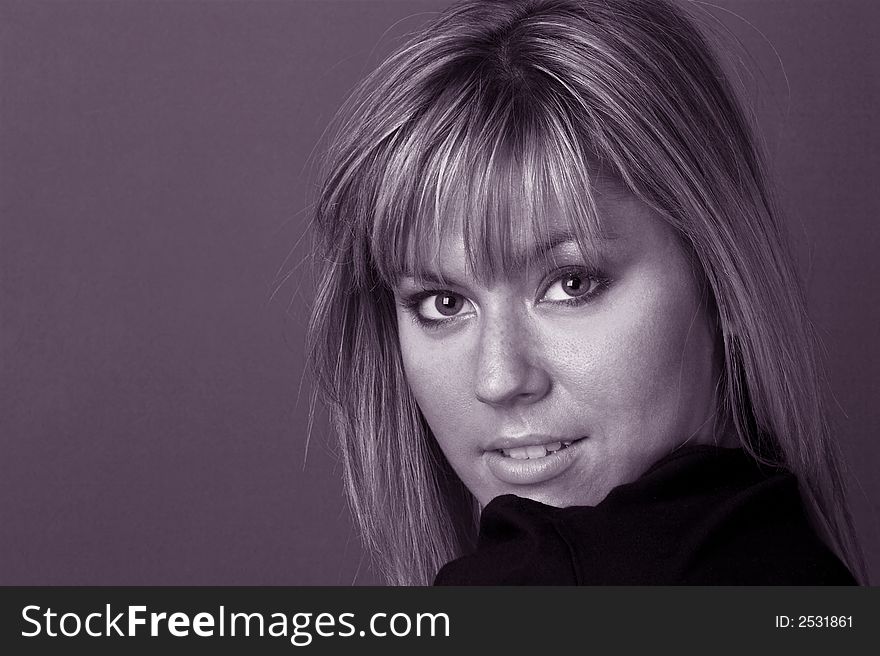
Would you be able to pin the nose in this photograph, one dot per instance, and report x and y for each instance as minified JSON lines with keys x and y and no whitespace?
{"x":509,"y":370}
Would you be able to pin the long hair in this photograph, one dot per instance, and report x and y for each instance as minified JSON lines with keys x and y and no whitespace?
{"x":491,"y":112}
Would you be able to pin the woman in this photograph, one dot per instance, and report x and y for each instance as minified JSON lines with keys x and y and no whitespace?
{"x":556,"y":318}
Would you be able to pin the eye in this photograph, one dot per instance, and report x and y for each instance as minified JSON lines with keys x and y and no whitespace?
{"x":443,"y":305}
{"x":573,"y":286}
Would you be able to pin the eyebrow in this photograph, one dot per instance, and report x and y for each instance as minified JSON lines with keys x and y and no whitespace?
{"x":555,"y":239}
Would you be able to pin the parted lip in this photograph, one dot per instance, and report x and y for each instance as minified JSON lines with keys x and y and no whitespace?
{"x":528,"y":440}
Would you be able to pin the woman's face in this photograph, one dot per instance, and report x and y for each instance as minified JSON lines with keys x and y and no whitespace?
{"x":563,"y":381}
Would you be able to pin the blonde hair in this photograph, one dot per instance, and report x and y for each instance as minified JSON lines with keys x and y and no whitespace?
{"x":493,"y":110}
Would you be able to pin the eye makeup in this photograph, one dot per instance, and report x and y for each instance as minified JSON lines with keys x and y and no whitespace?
{"x":436,"y":308}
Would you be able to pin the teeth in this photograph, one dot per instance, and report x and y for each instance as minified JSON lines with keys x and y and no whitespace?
{"x":525,"y":452}
{"x":537,"y":451}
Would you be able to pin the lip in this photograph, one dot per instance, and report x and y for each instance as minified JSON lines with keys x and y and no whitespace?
{"x":529,"y":472}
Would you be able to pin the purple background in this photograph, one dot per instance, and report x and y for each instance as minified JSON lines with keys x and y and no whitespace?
{"x":154,"y":176}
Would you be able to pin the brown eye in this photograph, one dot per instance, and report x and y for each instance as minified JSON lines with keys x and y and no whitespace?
{"x":580,"y":284}
{"x":574,"y":284}
{"x":448,"y":304}
{"x":441,"y":306}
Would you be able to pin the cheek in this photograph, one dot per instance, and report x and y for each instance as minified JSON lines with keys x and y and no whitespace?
{"x":643,"y":360}
{"x":437,"y":376}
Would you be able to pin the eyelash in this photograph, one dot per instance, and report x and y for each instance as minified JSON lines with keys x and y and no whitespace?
{"x":411,"y":303}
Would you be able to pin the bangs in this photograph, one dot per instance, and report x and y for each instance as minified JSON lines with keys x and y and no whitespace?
{"x":504,"y":170}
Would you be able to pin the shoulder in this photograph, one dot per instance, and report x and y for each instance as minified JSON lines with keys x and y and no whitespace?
{"x":700,"y":516}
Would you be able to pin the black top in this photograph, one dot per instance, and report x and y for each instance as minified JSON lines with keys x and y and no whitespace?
{"x":703,"y":515}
